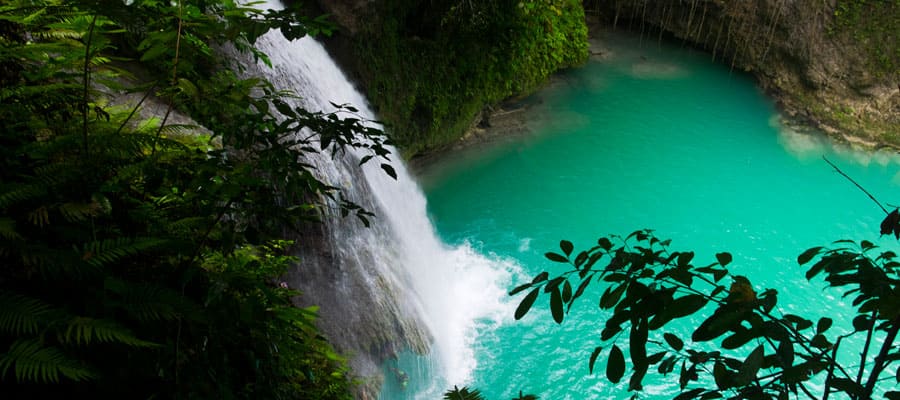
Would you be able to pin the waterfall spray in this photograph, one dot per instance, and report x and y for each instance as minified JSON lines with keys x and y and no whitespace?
{"x":394,"y":286}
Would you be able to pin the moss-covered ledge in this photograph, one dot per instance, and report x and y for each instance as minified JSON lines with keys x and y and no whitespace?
{"x":431,"y":68}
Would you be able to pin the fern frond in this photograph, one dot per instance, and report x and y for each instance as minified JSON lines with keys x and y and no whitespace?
{"x":85,"y":331}
{"x":33,"y":362}
{"x":57,"y":34}
{"x":74,"y":212}
{"x":180,"y":130}
{"x":147,"y":302}
{"x":8,"y":229}
{"x":20,"y":194}
{"x":39,"y":216}
{"x":105,"y":252}
{"x":21,"y":314}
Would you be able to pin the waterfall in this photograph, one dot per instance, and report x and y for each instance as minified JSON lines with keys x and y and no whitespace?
{"x":394,"y":286}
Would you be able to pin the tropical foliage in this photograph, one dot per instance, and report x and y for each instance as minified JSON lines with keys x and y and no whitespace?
{"x":432,"y":67}
{"x":139,"y":257}
{"x":745,"y":347}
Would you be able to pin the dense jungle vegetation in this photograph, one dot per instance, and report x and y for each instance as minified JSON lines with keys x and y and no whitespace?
{"x":432,"y":67}
{"x":139,"y":257}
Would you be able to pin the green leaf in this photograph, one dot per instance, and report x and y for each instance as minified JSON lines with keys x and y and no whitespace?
{"x":723,"y":258}
{"x":594,"y":355}
{"x":615,"y":365}
{"x":556,"y":306}
{"x":566,"y":246}
{"x":556,"y":257}
{"x":526,"y":303}
{"x":808,"y":255}
{"x":673,"y":341}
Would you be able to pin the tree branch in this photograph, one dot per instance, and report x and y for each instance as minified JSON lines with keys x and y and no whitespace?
{"x":857,"y":184}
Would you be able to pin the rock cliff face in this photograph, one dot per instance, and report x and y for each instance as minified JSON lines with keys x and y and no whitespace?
{"x":834,"y":64}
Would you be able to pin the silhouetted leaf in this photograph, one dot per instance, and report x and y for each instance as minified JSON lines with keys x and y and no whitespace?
{"x":668,"y":365}
{"x":685,"y":258}
{"x":556,"y":257}
{"x":594,"y":355}
{"x":580,"y":259}
{"x":721,"y":376}
{"x":657,"y":357}
{"x":750,"y":366}
{"x":611,"y":296}
{"x":738,"y":339}
{"x":892,"y":395}
{"x":690,"y":394}
{"x":526,"y":303}
{"x":673,"y":341}
{"x":823,"y":325}
{"x":785,"y":353}
{"x":556,"y":306}
{"x":519,"y":289}
{"x":584,"y":284}
{"x":723,"y":258}
{"x":566,"y":292}
{"x":615,"y":365}
{"x":820,"y":341}
{"x":687,"y":305}
{"x":807,"y":255}
{"x":861,"y":323}
{"x":847,"y":386}
{"x":604,"y":243}
{"x":890,"y":222}
{"x":566,"y":246}
{"x":389,"y":170}
{"x":540,"y":277}
{"x":716,"y":325}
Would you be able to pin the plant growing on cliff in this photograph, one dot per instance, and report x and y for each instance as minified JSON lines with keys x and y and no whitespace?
{"x":139,"y":260}
{"x":431,"y":68}
{"x":762,"y":353}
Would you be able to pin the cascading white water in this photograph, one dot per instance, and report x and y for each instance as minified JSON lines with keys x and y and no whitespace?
{"x":394,"y":285}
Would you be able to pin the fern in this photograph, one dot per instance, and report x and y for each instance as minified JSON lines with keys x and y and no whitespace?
{"x":33,"y":362}
{"x":74,"y":212}
{"x":8,"y":229}
{"x":105,"y":252}
{"x":22,"y":314}
{"x":148,"y":302}
{"x":85,"y":331}
{"x":20,"y":194}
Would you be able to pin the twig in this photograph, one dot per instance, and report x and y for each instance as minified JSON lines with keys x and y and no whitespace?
{"x":857,"y":185}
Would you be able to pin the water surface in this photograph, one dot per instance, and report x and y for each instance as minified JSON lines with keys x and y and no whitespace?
{"x":647,"y":137}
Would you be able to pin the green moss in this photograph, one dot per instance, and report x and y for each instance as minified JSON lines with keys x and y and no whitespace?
{"x":431,"y":69}
{"x":872,"y":25}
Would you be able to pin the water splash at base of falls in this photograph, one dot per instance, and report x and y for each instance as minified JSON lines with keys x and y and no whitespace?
{"x":395,"y":286}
